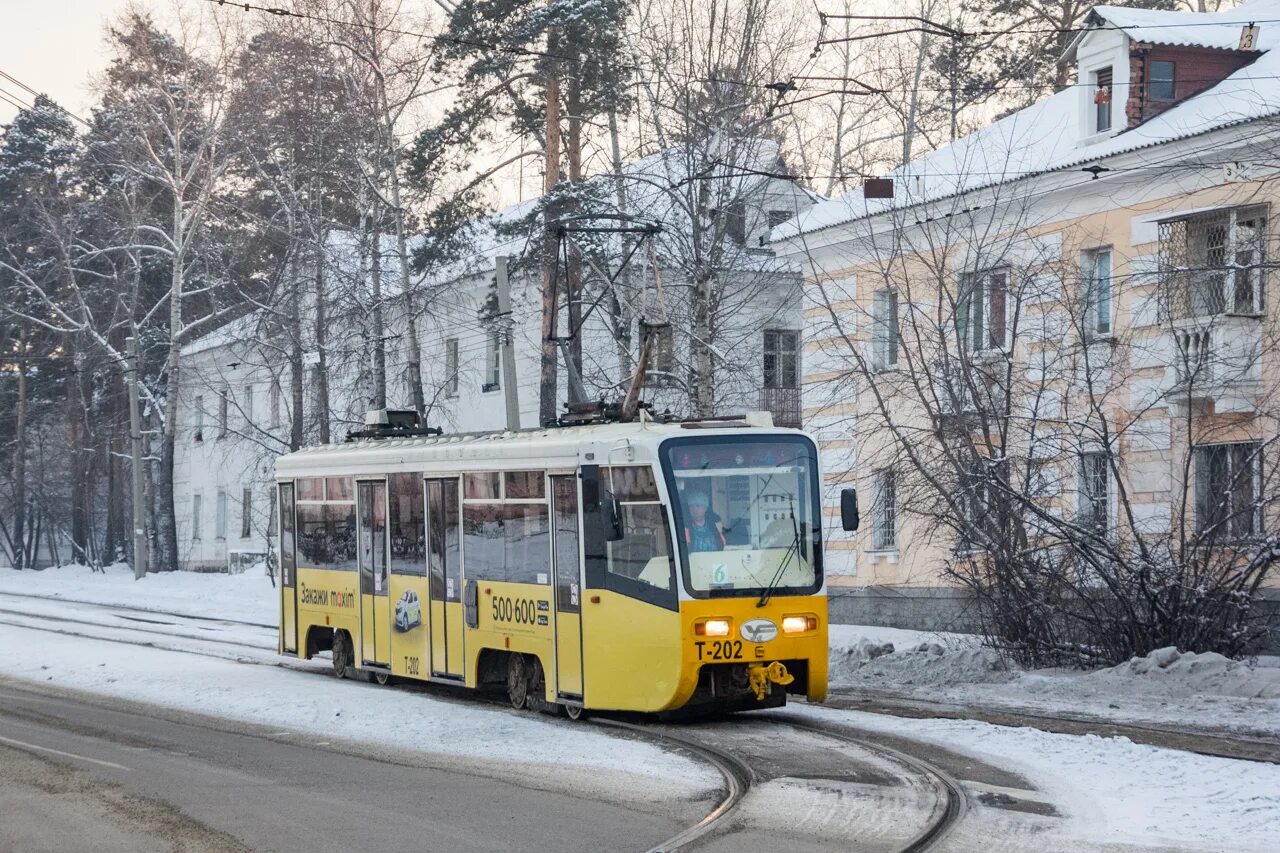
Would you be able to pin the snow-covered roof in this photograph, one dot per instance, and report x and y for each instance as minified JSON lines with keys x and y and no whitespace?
{"x":1211,"y":29}
{"x":242,"y":329}
{"x":1045,"y":137}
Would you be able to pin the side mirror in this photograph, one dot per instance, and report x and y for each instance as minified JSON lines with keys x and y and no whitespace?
{"x":849,"y":519}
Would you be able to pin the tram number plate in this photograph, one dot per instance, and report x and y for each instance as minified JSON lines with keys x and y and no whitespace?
{"x":411,"y":665}
{"x":719,"y":649}
{"x":522,"y":611}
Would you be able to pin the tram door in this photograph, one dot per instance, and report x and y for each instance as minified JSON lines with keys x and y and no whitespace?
{"x":375,"y":610}
{"x":288,"y":572}
{"x":444,"y":564}
{"x":568,"y":561}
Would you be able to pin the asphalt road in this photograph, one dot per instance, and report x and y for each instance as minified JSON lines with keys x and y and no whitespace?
{"x":80,"y":776}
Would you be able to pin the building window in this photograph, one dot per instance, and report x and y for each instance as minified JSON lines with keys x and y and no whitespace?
{"x":273,"y":403}
{"x":1095,"y":491}
{"x":1160,"y":81}
{"x":884,"y":328}
{"x":1102,"y":100}
{"x":196,"y":507}
{"x":246,"y":513}
{"x":662,"y":361}
{"x":224,"y":400}
{"x":198,"y":433}
{"x":884,"y":527}
{"x":971,"y":503}
{"x":1096,"y":267}
{"x":220,"y":516}
{"x":777,"y":217}
{"x":1227,"y":490}
{"x":493,"y":363}
{"x":246,"y":405}
{"x":1212,"y":263}
{"x":981,"y":312}
{"x":736,"y":223}
{"x":781,"y":393}
{"x":451,"y":367}
{"x":781,"y":359}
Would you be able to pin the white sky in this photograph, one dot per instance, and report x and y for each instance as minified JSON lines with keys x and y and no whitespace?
{"x":54,"y":46}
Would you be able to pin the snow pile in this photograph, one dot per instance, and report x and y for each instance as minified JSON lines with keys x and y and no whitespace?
{"x":1187,"y":673}
{"x":248,"y":597}
{"x":922,"y":665}
{"x":1201,"y":691}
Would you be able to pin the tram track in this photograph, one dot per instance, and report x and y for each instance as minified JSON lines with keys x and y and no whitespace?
{"x":135,"y":609}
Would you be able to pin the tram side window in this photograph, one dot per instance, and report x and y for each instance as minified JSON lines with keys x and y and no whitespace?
{"x":640,"y":563}
{"x":442,"y":541}
{"x":327,"y":535}
{"x":507,"y":542}
{"x":407,"y":519}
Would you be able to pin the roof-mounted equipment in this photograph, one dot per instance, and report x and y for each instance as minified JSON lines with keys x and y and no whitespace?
{"x":393,"y":423}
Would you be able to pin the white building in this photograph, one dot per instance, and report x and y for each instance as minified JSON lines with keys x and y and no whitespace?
{"x":236,"y":397}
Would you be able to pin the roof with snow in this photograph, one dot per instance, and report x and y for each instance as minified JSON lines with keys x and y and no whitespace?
{"x":1045,"y":137}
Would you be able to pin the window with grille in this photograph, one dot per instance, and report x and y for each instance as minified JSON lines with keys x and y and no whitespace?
{"x":224,"y":403}
{"x":1213,"y":263}
{"x":982,"y":310}
{"x":884,"y":528}
{"x":662,"y":360}
{"x":1095,"y":491}
{"x":884,"y":329}
{"x":1098,"y":295}
{"x":1227,"y":490}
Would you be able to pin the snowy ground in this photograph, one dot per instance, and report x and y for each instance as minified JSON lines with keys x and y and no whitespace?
{"x":1200,"y":691}
{"x":1110,"y":793}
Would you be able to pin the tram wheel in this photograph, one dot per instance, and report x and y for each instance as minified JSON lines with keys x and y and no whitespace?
{"x":382,"y":677}
{"x":574,"y":712}
{"x":517,"y":680}
{"x":537,"y":691}
{"x":342,"y":654}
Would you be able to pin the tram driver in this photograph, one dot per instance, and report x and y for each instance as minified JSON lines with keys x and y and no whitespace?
{"x":703,"y":529}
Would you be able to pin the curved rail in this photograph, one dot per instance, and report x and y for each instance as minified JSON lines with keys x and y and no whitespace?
{"x":737,"y":776}
{"x":950,"y":794}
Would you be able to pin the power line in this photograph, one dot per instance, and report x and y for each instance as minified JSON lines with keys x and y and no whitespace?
{"x":936,"y":28}
{"x":36,"y":94}
{"x":462,"y":42}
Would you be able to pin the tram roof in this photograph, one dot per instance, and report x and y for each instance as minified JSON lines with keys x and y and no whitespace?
{"x":539,"y":446}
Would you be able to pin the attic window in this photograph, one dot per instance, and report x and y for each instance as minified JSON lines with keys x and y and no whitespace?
{"x":1160,"y":81}
{"x":1102,"y":100}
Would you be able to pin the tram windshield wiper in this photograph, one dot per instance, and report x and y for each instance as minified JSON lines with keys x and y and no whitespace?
{"x":792,"y":550}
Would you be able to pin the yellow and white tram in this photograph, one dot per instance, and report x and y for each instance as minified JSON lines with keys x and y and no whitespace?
{"x":623,"y":566}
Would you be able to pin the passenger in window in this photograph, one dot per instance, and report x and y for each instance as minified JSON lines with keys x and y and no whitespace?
{"x":703,"y":530}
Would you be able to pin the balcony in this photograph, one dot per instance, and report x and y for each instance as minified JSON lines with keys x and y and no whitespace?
{"x":1217,"y":361}
{"x":783,"y":404}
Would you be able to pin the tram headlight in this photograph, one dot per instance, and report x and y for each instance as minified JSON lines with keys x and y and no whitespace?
{"x":799,"y":624}
{"x":712,"y":628}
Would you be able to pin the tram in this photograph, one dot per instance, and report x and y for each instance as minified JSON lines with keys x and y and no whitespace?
{"x":642,"y":566}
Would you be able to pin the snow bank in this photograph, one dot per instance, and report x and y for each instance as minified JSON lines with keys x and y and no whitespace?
{"x":1205,"y":690}
{"x":248,"y":597}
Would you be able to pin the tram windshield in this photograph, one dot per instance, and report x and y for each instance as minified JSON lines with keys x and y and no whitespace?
{"x":746,"y":514}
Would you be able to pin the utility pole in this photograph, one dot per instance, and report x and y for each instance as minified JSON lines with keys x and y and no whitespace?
{"x":135,"y":438}
{"x":547,"y":367}
{"x":509,"y":390}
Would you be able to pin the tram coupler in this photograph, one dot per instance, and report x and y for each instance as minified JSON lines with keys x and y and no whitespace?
{"x":762,"y":676}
